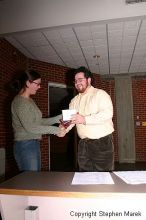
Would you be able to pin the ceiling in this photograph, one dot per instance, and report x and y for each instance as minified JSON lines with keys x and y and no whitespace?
{"x":116,"y":46}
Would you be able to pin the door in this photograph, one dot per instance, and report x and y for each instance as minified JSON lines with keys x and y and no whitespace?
{"x":62,"y":151}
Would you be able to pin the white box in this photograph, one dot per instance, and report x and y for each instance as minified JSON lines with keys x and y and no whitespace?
{"x":68,"y":113}
{"x":32,"y":213}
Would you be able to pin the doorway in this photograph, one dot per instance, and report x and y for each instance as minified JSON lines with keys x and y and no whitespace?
{"x":62,"y":151}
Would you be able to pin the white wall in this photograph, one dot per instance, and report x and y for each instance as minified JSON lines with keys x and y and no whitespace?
{"x":20,"y":15}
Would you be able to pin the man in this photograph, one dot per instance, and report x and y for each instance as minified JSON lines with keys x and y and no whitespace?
{"x":94,"y":124}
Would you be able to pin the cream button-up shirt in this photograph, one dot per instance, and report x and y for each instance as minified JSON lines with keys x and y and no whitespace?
{"x":96,"y":106}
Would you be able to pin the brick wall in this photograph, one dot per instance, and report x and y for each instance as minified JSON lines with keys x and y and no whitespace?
{"x":139,"y":102}
{"x":10,"y":61}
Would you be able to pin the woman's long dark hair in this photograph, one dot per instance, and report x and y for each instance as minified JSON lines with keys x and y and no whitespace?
{"x":21,"y":77}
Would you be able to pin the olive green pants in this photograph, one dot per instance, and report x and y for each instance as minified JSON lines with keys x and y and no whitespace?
{"x":96,"y":154}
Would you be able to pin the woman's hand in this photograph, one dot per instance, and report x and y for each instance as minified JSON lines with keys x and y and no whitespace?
{"x":62,"y":132}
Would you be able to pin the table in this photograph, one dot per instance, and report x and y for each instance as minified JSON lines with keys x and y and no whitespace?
{"x":56,"y":198}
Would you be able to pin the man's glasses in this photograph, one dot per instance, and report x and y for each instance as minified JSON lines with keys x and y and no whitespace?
{"x":79,"y":80}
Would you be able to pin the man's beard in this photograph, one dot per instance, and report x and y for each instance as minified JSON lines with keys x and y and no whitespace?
{"x":82,"y":89}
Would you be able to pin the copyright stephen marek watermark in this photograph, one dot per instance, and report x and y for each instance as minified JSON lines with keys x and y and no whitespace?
{"x":101,"y":213}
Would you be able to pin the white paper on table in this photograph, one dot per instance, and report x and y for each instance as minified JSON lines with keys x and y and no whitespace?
{"x":132,"y":177}
{"x":68,"y":113}
{"x":85,"y":178}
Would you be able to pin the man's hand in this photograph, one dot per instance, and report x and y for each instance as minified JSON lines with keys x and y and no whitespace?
{"x":78,"y":119}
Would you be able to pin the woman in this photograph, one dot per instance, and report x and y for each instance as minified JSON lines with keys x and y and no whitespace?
{"x":27,"y":122}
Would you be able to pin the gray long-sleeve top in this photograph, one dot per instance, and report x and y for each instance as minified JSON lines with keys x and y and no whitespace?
{"x":27,"y":120}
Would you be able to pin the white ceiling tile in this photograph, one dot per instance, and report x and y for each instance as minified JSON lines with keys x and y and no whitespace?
{"x":66,"y":33}
{"x":86,"y":43}
{"x":129,"y":38}
{"x":31,"y":39}
{"x":52,"y":35}
{"x":121,"y":45}
{"x":22,"y":49}
{"x":101,"y":48}
{"x":144,"y":23}
{"x":89,"y":50}
{"x":100,"y":42}
{"x":83,"y":63}
{"x":94,"y":68}
{"x":115,"y":26}
{"x":83,"y":33}
{"x":125,"y":70}
{"x":116,"y":33}
{"x":98,"y":28}
{"x":68,"y":40}
{"x":132,"y":24}
{"x":99,"y":35}
{"x":115,"y":41}
{"x":13,"y":41}
{"x":130,"y":32}
{"x":76,"y":52}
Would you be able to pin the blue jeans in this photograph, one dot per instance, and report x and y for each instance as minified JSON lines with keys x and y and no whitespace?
{"x":27,"y":155}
